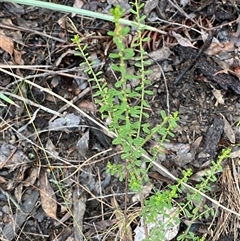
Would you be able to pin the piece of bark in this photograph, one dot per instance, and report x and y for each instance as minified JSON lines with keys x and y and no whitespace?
{"x":212,"y":139}
{"x":206,"y":66}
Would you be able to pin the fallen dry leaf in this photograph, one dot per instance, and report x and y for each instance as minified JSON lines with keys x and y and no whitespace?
{"x":149,"y":6}
{"x":218,"y":95}
{"x":47,"y":195}
{"x":12,"y":158}
{"x":200,"y":174}
{"x":82,"y":144}
{"x":87,"y":106}
{"x":237,"y":71}
{"x":3,"y":180}
{"x":123,"y":4}
{"x":235,"y":154}
{"x":228,"y":130}
{"x":18,"y":57}
{"x":168,"y":223}
{"x":31,"y":179}
{"x":182,"y":41}
{"x":51,"y":148}
{"x":18,"y":191}
{"x":184,"y":3}
{"x":145,"y":191}
{"x":6,"y":44}
{"x":215,"y":48}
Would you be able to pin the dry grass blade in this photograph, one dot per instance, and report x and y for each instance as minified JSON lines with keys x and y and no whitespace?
{"x":228,"y":223}
{"x":125,"y":231}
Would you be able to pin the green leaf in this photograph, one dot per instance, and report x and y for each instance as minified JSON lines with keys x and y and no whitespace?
{"x":111,"y":33}
{"x":146,"y":39}
{"x":114,"y":55}
{"x":138,"y":163}
{"x":134,"y":94}
{"x":163,"y":114}
{"x":138,"y":141}
{"x":142,"y":18}
{"x":141,"y":5}
{"x":131,"y":76}
{"x":125,"y":31}
{"x":134,"y":45}
{"x":116,"y":67}
{"x":133,"y":11}
{"x":145,"y":128}
{"x":187,"y":213}
{"x":148,"y":92}
{"x":145,"y":103}
{"x":138,"y":65}
{"x":128,"y":53}
{"x":99,"y":73}
{"x":145,"y":114}
{"x":117,"y":141}
{"x":118,"y":84}
{"x":147,"y":63}
{"x":8,"y":100}
{"x":147,"y":72}
{"x":123,"y":71}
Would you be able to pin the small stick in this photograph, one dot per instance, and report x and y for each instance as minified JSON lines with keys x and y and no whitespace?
{"x":76,"y":98}
{"x":9,"y":157}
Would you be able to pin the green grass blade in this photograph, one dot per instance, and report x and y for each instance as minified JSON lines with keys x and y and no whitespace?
{"x":8,"y":100}
{"x":87,"y":13}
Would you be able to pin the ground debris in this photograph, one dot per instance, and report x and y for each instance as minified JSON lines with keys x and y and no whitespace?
{"x":10,"y":230}
{"x":206,"y":66}
{"x":212,"y":139}
{"x":79,"y":207}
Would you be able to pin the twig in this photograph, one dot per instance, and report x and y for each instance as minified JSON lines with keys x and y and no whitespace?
{"x":166,"y":87}
{"x":201,"y":50}
{"x":44,"y":75}
{"x":76,"y":98}
{"x":30,"y":102}
{"x":9,"y":157}
{"x":175,"y":4}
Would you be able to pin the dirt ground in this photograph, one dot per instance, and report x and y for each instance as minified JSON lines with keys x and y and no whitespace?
{"x":56,"y":169}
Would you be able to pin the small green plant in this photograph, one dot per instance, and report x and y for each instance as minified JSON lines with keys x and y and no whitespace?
{"x":193,"y":212}
{"x":130,"y":124}
{"x":159,"y":204}
{"x":162,"y":201}
{"x":127,"y":120}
